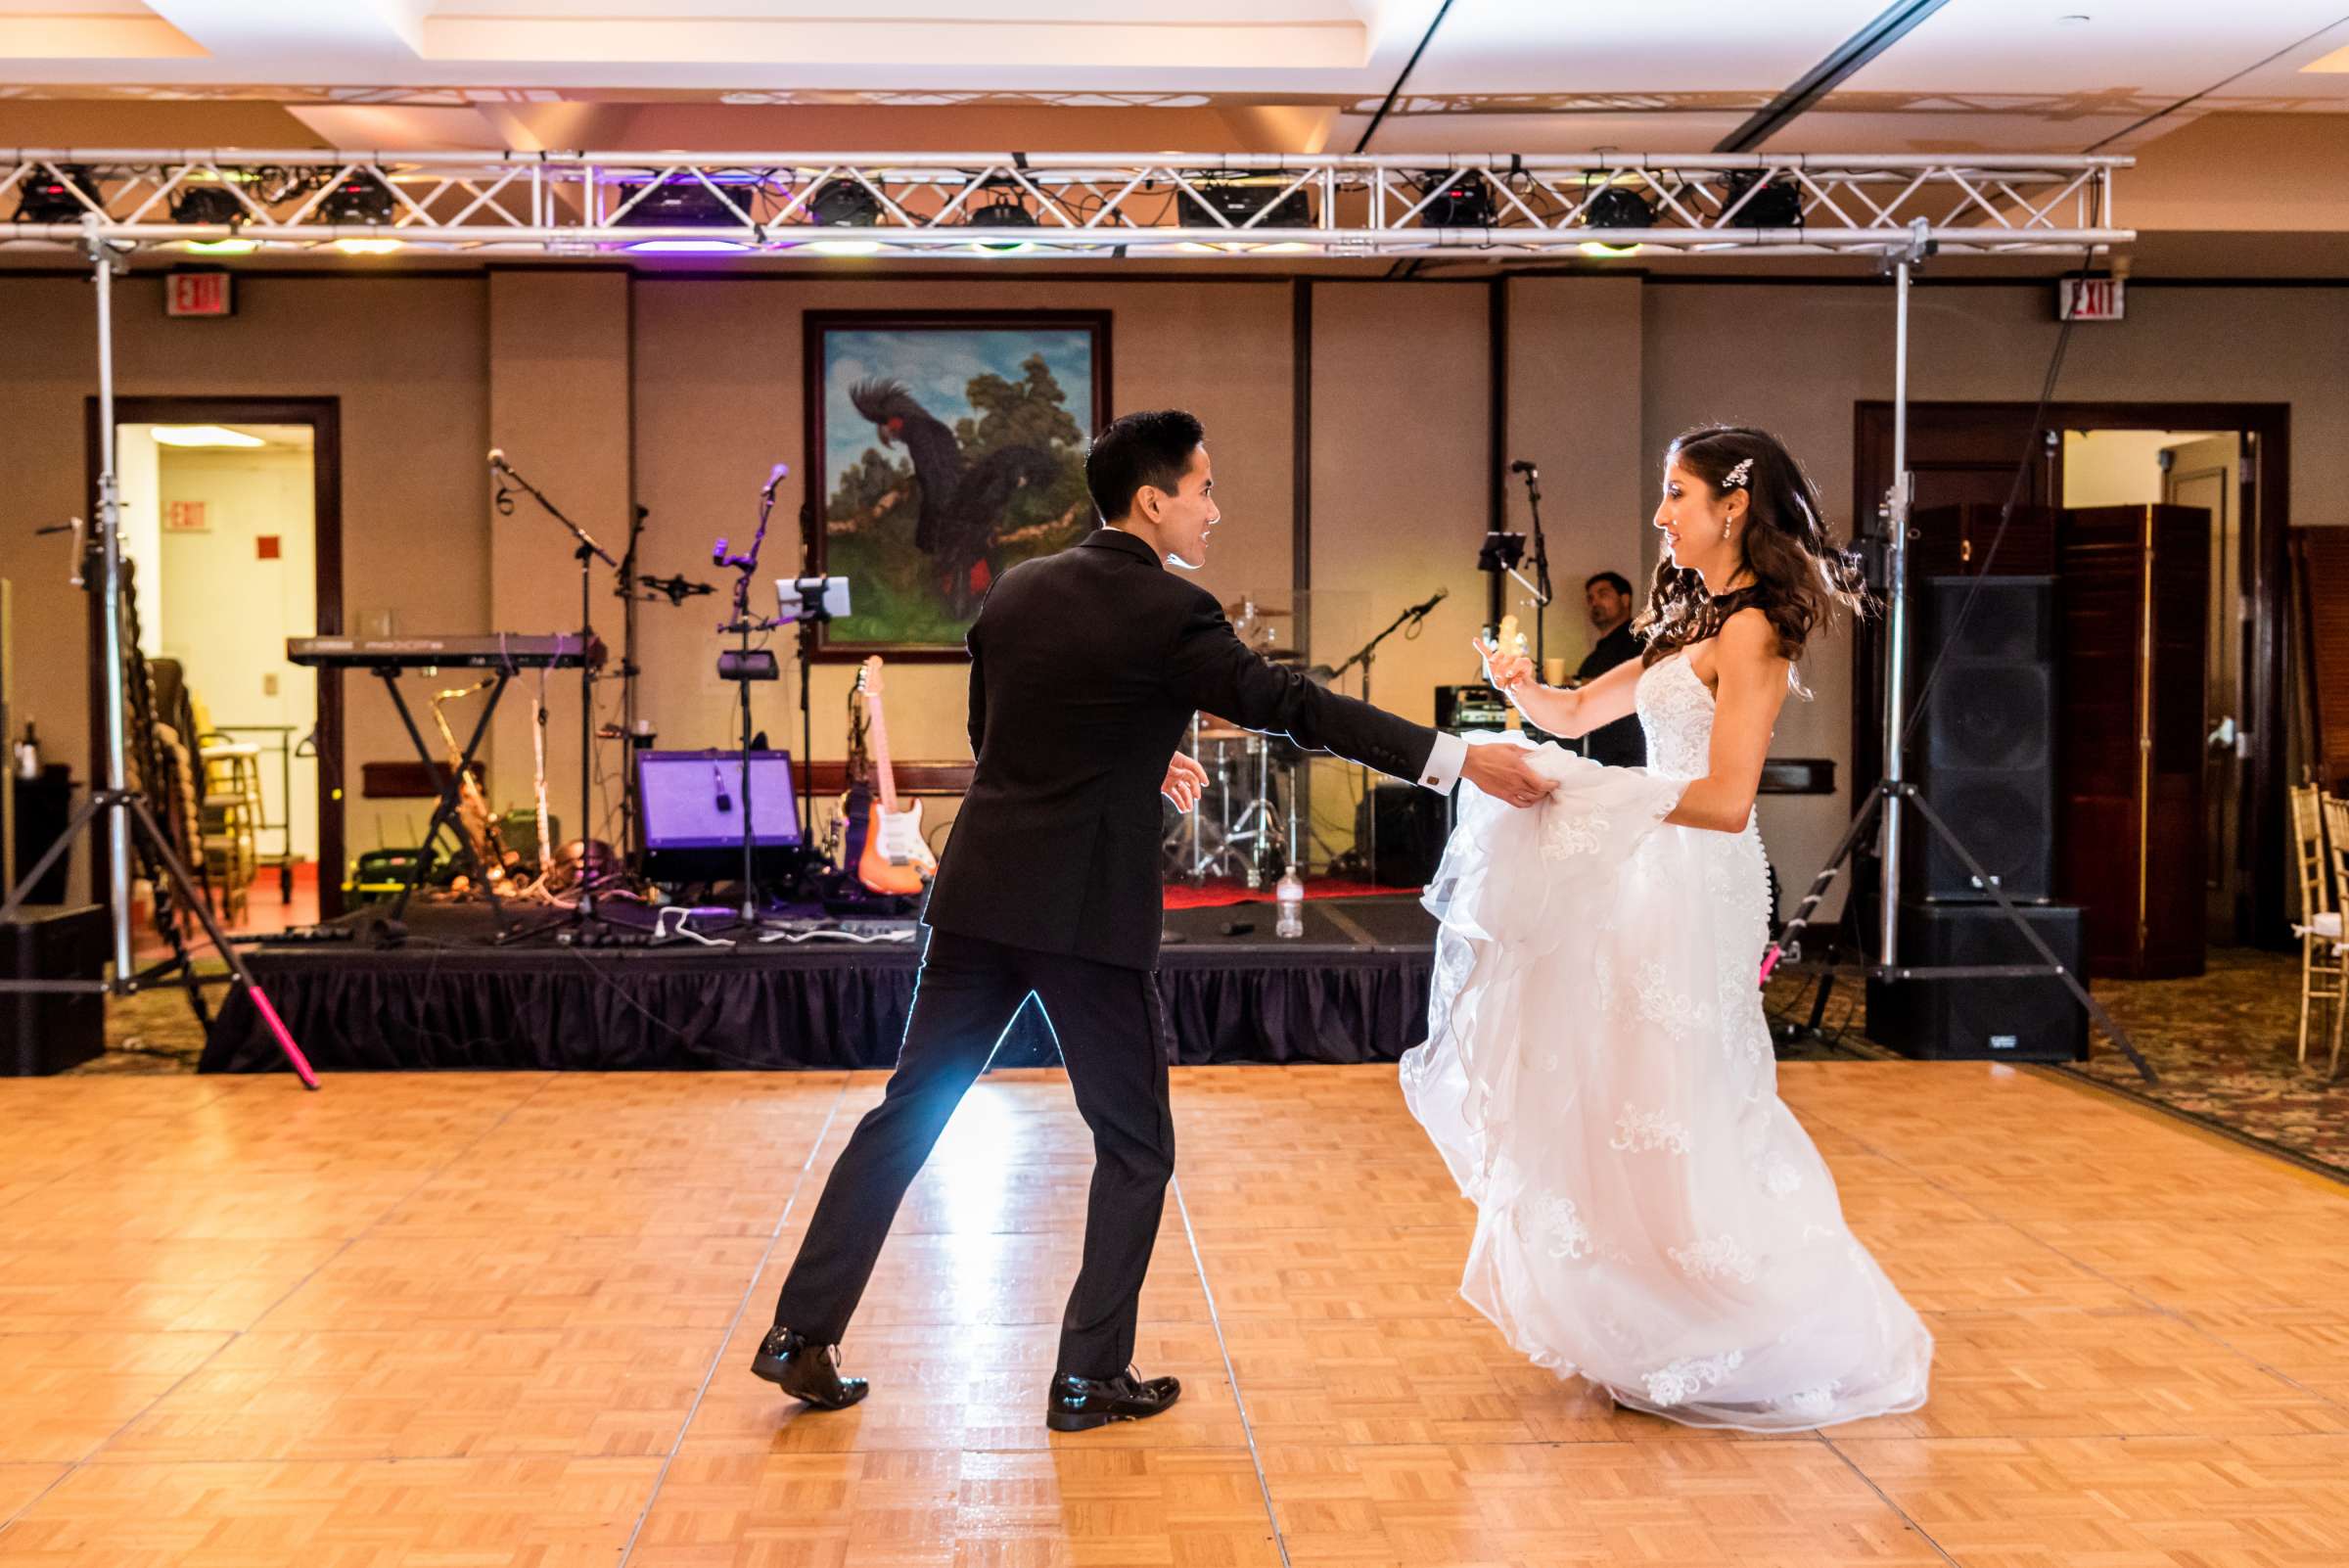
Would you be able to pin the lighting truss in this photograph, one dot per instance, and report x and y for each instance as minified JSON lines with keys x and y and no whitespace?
{"x":1093,"y":205}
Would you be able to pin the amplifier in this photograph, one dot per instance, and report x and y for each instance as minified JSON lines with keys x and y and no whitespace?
{"x":692,"y":807}
{"x":2026,"y":1020}
{"x":47,"y":1032}
{"x":1477,"y":706}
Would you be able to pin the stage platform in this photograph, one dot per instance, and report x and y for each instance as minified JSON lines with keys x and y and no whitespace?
{"x":1353,"y":988}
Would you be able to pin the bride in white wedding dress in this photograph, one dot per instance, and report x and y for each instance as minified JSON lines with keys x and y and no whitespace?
{"x":1598,"y":1072}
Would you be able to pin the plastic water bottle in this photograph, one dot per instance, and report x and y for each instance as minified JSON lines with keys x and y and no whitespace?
{"x":1289,"y":891}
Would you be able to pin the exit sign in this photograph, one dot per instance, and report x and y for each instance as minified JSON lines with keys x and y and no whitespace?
{"x":197,"y":294}
{"x":2090,"y":300}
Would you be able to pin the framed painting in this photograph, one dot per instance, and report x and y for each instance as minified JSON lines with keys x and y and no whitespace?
{"x":945,"y":447}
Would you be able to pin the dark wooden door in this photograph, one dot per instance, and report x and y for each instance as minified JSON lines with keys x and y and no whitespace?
{"x":2130,"y":846}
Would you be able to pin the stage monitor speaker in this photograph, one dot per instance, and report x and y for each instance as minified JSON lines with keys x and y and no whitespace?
{"x":2034,"y":1020}
{"x":692,"y":804}
{"x":1985,"y":755}
{"x":1409,"y":833}
{"x":47,"y":1032}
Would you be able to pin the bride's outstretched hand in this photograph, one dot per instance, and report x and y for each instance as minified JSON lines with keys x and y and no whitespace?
{"x":1507,"y":670}
{"x":1185,"y":778}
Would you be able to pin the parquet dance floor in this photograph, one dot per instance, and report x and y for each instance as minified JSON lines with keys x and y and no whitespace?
{"x":457,"y":1322}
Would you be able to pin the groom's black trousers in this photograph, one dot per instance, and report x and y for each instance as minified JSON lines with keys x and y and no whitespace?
{"x":1107,"y":1020}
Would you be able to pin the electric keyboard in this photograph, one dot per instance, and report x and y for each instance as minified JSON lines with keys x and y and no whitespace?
{"x":496,"y":650}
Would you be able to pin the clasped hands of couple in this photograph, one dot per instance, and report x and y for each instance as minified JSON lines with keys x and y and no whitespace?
{"x":1500,"y":771}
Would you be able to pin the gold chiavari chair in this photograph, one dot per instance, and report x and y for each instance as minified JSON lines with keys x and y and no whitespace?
{"x":2335,"y":814}
{"x":2319,"y":926}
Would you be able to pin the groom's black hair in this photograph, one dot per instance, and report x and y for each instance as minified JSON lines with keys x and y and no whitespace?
{"x":1139,"y":449}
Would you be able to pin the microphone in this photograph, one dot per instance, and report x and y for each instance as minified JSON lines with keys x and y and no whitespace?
{"x":772,"y":479}
{"x":1418,"y":610}
{"x":717,"y":780}
{"x":1521,"y":466}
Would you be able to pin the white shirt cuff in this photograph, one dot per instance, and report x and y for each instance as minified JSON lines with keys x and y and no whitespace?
{"x":1442,"y":771}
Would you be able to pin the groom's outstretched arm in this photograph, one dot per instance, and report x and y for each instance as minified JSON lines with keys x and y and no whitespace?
{"x":1215,"y":671}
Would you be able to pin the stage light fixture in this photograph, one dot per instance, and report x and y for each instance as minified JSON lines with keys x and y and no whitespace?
{"x":679,"y":202}
{"x":1618,"y":206}
{"x":1461,"y":199}
{"x":47,"y":198}
{"x":1005,"y":207}
{"x":359,"y":198}
{"x":1778,"y":205}
{"x":844,"y":205}
{"x":1238,"y":200}
{"x":207,"y":204}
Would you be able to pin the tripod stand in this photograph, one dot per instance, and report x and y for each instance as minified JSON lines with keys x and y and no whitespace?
{"x":1894,"y":790}
{"x":125,"y":809}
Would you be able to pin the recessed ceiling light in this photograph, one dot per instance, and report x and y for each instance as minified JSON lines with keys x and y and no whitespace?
{"x":202,"y":436}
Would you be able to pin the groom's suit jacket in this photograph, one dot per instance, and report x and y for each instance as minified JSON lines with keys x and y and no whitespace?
{"x":1085,"y":668}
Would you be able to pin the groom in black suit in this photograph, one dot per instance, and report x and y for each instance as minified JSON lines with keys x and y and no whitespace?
{"x":1085,"y":668}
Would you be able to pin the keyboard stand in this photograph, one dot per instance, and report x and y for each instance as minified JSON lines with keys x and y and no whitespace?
{"x":451,"y":793}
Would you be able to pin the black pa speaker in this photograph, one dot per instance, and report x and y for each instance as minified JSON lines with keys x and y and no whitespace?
{"x":47,"y":1032}
{"x":1986,"y":752}
{"x":1406,"y":823}
{"x":2034,"y":1020}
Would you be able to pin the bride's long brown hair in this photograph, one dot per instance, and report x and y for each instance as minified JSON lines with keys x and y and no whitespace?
{"x":1800,"y":577}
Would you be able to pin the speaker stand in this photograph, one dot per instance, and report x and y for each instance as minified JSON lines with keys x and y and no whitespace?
{"x":1894,"y":790}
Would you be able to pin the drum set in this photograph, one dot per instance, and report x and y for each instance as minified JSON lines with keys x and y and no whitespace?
{"x":1246,"y":826}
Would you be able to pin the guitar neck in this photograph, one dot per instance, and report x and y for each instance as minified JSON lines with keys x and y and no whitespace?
{"x":884,"y":779}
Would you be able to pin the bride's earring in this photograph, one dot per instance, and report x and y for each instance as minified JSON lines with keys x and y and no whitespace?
{"x":1725,"y":529}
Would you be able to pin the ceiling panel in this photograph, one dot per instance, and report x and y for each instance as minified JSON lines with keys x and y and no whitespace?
{"x":2161,"y":46}
{"x":1523,"y":46}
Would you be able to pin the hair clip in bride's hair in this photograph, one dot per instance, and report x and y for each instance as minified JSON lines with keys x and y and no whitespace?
{"x":1736,"y":477}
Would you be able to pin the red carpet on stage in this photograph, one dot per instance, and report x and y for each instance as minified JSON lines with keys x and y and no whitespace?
{"x":1226,"y":890}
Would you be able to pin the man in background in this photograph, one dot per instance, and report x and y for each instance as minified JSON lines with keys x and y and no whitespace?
{"x":1608,"y":595}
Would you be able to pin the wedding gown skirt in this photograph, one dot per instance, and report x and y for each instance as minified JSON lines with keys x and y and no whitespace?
{"x":1598,"y":1076}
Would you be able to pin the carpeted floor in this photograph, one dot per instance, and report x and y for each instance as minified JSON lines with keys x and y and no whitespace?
{"x":2225,"y":1045}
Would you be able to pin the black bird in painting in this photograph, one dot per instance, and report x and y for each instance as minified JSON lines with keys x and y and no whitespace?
{"x":961,"y":504}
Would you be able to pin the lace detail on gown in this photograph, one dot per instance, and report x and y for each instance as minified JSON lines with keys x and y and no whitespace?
{"x":1599,"y":1079}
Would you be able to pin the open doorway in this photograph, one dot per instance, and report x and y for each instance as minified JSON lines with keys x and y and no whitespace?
{"x":231,"y":525}
{"x":2226,"y":459}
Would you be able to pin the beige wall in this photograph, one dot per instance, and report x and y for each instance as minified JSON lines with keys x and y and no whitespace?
{"x":692,"y":383}
{"x":1574,"y":367}
{"x":404,"y":357}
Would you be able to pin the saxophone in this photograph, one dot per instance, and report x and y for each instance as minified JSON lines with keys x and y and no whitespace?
{"x":475,"y":821}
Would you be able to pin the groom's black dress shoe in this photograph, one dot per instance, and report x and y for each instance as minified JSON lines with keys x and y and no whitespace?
{"x":1081,"y":1404}
{"x":806,"y":1370}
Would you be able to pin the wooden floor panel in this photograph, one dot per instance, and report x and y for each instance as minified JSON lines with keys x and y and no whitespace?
{"x":2157,"y":1503}
{"x":493,"y":1319}
{"x":433,"y":1514}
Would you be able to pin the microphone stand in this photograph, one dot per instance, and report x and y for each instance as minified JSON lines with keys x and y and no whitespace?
{"x":628,"y":672}
{"x":586,"y":554}
{"x":1541,"y":583}
{"x":744,"y":665}
{"x":1362,"y":656}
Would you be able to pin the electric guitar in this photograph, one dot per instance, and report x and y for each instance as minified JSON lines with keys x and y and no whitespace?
{"x":896,"y":859}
